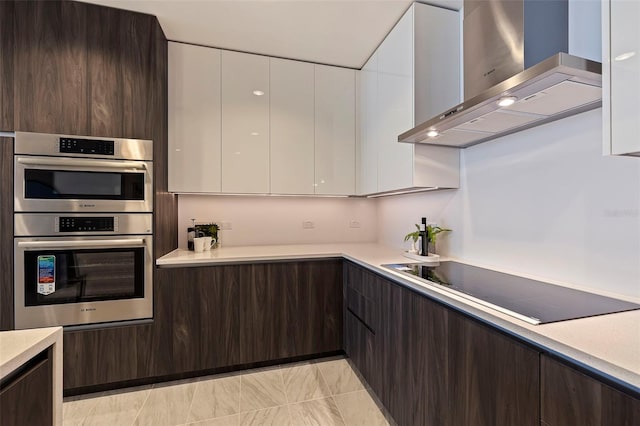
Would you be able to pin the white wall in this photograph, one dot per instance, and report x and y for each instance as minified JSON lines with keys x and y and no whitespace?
{"x":398,"y":214}
{"x":278,"y":220}
{"x":543,"y":202}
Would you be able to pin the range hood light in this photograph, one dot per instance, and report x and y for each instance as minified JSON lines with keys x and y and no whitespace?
{"x":507,"y":101}
{"x":625,"y":56}
{"x":258,"y":92}
{"x":432,"y":133}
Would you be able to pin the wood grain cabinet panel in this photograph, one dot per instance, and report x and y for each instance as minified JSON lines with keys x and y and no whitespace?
{"x":50,"y":69}
{"x":121,"y":73}
{"x":363,"y":337}
{"x":201,"y":310}
{"x":290,"y":309}
{"x":28,"y":398}
{"x":493,"y":380}
{"x":569,"y":397}
{"x":415,"y":357}
{"x":106,"y":355}
{"x":434,"y":366}
{"x":6,"y":65}
{"x":6,"y":233}
{"x":84,"y":70}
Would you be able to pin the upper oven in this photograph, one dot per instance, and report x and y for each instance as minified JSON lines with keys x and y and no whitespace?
{"x":81,"y":174}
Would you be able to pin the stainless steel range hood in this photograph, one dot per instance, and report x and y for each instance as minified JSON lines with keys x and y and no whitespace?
{"x":501,"y":39}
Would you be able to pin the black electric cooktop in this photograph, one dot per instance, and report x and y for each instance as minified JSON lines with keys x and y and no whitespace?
{"x":533,"y":301}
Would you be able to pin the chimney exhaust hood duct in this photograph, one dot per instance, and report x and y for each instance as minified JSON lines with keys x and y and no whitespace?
{"x":516,"y":74}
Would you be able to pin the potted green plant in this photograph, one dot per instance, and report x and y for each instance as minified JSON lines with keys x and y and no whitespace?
{"x":432,"y":233}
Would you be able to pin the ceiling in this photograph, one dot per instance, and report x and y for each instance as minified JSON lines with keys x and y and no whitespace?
{"x":333,"y":32}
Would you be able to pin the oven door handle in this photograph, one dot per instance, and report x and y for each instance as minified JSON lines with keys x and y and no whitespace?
{"x":81,"y":243}
{"x":65,"y":162}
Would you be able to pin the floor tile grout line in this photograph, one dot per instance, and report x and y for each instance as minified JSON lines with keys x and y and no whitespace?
{"x":284,"y":387}
{"x":141,"y":407}
{"x":339,"y":411}
{"x":195,"y":389}
{"x":94,"y":401}
{"x":286,"y":397}
{"x":325,"y":380}
{"x":239,"y":396}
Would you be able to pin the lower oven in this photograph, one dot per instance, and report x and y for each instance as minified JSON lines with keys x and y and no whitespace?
{"x":73,"y":269}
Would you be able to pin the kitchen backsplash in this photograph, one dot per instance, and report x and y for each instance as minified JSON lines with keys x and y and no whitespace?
{"x":543,"y":202}
{"x":260,"y":220}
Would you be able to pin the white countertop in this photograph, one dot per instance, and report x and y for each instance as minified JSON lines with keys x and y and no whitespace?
{"x":607,"y":344}
{"x":17,"y":347}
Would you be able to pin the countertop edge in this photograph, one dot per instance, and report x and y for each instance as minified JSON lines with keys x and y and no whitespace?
{"x":8,"y":366}
{"x":240,"y":260}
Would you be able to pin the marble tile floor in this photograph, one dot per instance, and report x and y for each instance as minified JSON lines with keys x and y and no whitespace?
{"x":324,"y":392}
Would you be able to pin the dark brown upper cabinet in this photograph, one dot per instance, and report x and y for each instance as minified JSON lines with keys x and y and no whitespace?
{"x":81,"y":69}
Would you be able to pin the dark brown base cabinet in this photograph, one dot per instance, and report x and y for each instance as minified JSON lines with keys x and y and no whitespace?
{"x":26,"y":397}
{"x":216,"y":318}
{"x":430,"y":365}
{"x":570,"y":397}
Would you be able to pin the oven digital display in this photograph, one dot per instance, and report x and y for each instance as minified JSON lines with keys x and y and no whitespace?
{"x":86,"y":224}
{"x":86,"y":146}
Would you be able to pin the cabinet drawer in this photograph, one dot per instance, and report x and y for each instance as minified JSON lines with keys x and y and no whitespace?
{"x":362,"y":307}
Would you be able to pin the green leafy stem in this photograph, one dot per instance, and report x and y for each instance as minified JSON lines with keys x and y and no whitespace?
{"x":432,"y":232}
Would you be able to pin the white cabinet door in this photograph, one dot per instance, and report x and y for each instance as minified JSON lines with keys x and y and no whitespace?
{"x":369,"y":125}
{"x":335,"y":130}
{"x":395,"y":103}
{"x":624,"y":77}
{"x":245,"y":123}
{"x":292,"y":127}
{"x":194,"y":118}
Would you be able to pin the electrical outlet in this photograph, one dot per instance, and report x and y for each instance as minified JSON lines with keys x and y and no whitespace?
{"x":354,"y":224}
{"x":308,"y":224}
{"x":226,"y":226}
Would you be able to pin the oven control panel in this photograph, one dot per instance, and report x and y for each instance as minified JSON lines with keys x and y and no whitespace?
{"x":87,"y":224}
{"x":87,"y":146}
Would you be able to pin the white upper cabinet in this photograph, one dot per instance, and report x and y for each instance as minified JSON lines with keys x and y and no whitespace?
{"x":292,"y":127}
{"x":194,"y":118}
{"x":367,"y":170}
{"x":249,"y":124}
{"x":245,"y":123}
{"x":335,"y":130}
{"x":621,"y":77}
{"x":396,"y":104}
{"x":412,"y":76}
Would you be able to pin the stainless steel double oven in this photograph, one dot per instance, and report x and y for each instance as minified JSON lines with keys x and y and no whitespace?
{"x":83,"y":219}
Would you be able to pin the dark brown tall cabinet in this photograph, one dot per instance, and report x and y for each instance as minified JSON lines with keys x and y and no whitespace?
{"x":76,"y":68}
